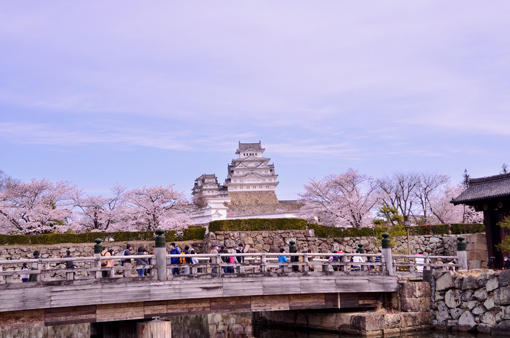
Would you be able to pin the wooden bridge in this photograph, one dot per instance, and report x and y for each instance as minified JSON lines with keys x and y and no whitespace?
{"x":65,"y":296}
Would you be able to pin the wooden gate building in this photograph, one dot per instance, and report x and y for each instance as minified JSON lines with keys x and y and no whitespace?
{"x":492,"y":196}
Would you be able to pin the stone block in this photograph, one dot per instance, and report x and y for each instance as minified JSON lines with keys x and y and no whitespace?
{"x":415,"y":304}
{"x":502,"y":295}
{"x":466,"y":295}
{"x":484,"y":328}
{"x":451,"y":298}
{"x":488,"y":318}
{"x":469,"y":282}
{"x":502,"y":328}
{"x":480,"y":309}
{"x":481,"y":280}
{"x":456,"y":313}
{"x":481,"y":294}
{"x":368,"y":322}
{"x":392,"y":321}
{"x":472,"y":304}
{"x":505,"y":312}
{"x":492,"y":284}
{"x":414,"y":319}
{"x":467,"y":321}
{"x":445,"y":282}
{"x":504,"y":278}
{"x":489,"y":303}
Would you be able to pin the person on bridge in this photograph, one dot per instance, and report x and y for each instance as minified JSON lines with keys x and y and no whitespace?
{"x":357,"y":259}
{"x":239,"y":259}
{"x":33,"y":277}
{"x":141,"y":261}
{"x":214,"y":259}
{"x":24,"y":277}
{"x":106,"y":263}
{"x":175,"y":260}
{"x":186,"y":260}
{"x":282,"y":258}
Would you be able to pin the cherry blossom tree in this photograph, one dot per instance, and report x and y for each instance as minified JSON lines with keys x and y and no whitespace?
{"x":340,"y":200}
{"x":448,"y":213}
{"x":158,"y":207}
{"x":97,"y":213}
{"x":35,"y":207}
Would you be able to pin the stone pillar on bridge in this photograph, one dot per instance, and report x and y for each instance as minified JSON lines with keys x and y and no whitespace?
{"x":160,"y":252}
{"x":461,"y":253}
{"x":97,"y":254}
{"x":386,"y":251}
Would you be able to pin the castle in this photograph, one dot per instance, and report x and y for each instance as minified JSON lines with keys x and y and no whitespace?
{"x":249,"y":188}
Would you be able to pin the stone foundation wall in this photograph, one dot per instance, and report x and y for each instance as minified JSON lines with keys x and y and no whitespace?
{"x":272,"y":241}
{"x":253,"y":198}
{"x":410,"y":312}
{"x":476,"y":300}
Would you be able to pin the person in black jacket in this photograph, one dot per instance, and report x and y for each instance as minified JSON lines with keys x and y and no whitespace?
{"x":506,"y":265}
{"x":33,"y":277}
{"x":141,"y":261}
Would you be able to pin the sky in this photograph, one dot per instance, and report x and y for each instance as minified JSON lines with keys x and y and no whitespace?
{"x":134,"y":93}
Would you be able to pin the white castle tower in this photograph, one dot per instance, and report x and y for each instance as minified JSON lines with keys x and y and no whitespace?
{"x":251,"y":179}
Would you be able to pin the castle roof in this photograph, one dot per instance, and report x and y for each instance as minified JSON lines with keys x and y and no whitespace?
{"x":247,"y":146}
{"x":484,"y":188}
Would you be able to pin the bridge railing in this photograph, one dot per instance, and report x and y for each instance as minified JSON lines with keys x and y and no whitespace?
{"x":406,"y":265}
{"x":162,"y":266}
{"x":269,"y":262}
{"x":54,"y":269}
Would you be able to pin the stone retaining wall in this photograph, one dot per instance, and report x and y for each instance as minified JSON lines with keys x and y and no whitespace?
{"x":272,"y":241}
{"x":476,"y":300}
{"x":408,"y":311}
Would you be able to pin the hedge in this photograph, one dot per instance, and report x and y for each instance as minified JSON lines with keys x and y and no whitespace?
{"x":258,"y":224}
{"x":323,"y":231}
{"x":189,"y":234}
{"x":474,"y":228}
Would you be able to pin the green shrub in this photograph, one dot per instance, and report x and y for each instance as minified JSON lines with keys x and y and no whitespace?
{"x":467,"y":228}
{"x":258,"y":224}
{"x":191,"y":233}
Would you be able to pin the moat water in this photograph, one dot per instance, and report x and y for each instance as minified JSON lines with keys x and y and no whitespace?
{"x":216,"y":326}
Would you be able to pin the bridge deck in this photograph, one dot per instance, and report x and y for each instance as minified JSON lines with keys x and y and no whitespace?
{"x":115,"y":299}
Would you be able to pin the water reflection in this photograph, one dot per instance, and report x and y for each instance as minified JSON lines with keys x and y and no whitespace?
{"x":219,"y":325}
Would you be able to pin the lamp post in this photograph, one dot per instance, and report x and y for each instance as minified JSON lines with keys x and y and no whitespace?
{"x":407,"y":223}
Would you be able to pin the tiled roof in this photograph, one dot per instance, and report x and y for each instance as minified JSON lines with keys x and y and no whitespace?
{"x":246,"y":146}
{"x":485,"y":188}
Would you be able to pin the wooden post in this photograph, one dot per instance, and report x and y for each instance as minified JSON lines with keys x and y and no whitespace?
{"x":155,"y":328}
{"x":46,"y":275}
{"x":461,"y":253}
{"x":160,"y":252}
{"x":306,"y":268}
{"x":386,"y":251}
{"x":263,"y":267}
{"x":8,"y":279}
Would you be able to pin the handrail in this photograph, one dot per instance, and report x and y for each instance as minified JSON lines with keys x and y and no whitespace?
{"x":253,"y":263}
